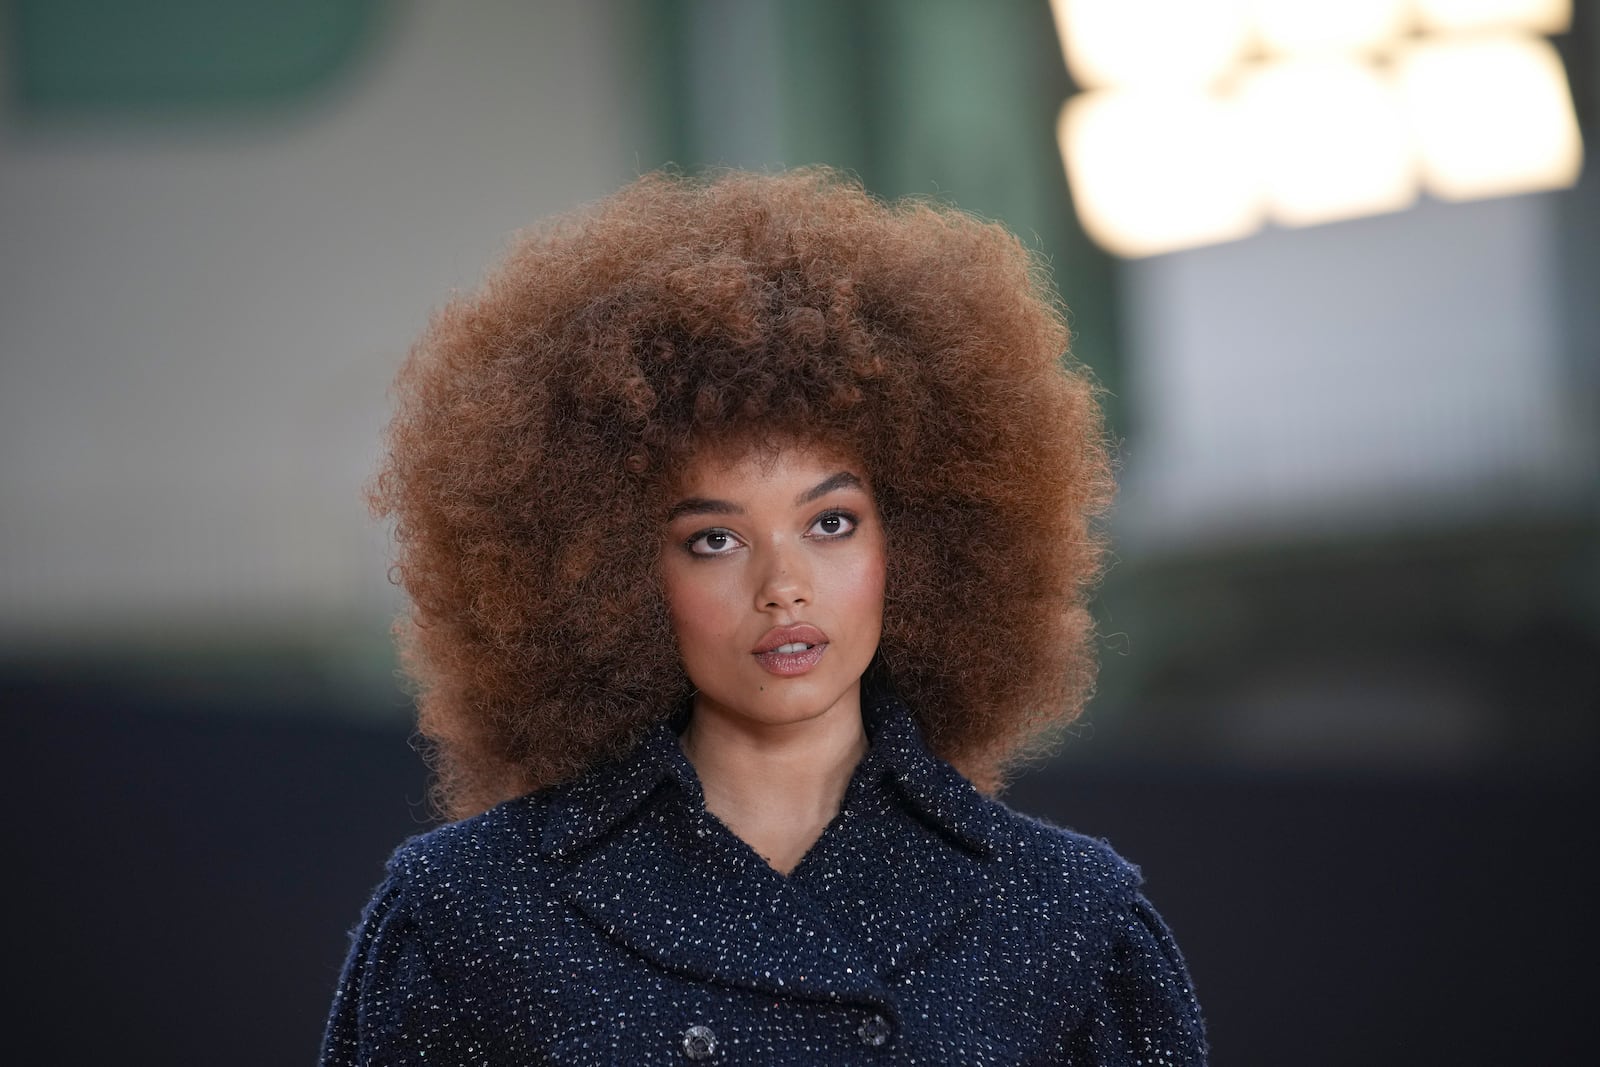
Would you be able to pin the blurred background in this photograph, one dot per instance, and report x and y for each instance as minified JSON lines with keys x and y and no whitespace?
{"x":1337,"y":264}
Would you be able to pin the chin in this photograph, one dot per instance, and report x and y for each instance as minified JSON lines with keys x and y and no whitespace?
{"x":787,"y":702}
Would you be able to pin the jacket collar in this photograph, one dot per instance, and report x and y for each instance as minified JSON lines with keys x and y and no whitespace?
{"x":647,"y":864}
{"x":584,"y":810}
{"x":588,"y":808}
{"x":933,"y":789}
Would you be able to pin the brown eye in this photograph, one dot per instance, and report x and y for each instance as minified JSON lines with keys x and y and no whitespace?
{"x":834,"y":524}
{"x":711,"y":543}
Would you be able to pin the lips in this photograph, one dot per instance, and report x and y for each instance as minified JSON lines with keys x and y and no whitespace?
{"x":790,"y":650}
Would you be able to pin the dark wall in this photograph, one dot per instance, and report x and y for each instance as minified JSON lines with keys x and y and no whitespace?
{"x":188,"y":871}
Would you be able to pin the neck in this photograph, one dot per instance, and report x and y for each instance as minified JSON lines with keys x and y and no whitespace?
{"x":776,"y":786}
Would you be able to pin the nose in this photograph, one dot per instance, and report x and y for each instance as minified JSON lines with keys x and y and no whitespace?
{"x":785,"y":579}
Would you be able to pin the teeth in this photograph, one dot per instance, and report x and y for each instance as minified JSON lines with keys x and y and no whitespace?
{"x":793,"y":646}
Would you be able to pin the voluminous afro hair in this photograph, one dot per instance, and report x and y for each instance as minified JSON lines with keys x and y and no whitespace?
{"x":542,"y":418}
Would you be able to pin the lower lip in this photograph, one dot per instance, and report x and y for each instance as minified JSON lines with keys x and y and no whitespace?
{"x":788,"y":664}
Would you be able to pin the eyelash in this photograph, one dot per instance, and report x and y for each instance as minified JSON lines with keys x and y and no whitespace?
{"x":831,"y":513}
{"x":838,"y":513}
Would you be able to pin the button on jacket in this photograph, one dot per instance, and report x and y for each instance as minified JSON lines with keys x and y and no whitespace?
{"x":613,"y":920}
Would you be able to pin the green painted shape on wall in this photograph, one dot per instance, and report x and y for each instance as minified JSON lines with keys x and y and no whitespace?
{"x":118,"y":57}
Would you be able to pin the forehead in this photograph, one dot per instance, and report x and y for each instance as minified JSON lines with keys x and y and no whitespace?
{"x":731,"y":468}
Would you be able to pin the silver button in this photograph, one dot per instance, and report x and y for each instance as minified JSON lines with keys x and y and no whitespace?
{"x":875,"y":1031}
{"x":699,"y":1042}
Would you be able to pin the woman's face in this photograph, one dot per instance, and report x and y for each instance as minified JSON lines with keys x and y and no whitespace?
{"x":773,"y":566}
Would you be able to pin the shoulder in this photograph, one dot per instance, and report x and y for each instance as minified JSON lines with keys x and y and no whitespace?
{"x":1071,"y":889}
{"x":1064,"y":857}
{"x":1078,"y":871}
{"x":1037,"y":859}
{"x":489,"y":850}
{"x":412,"y":953}
{"x":1120,"y":962}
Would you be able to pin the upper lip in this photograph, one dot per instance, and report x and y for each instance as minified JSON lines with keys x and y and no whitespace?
{"x":804,"y":633}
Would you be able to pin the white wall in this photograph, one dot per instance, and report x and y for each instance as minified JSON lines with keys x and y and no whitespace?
{"x":198,"y":322}
{"x":1355,"y":378}
{"x":1435,"y":366}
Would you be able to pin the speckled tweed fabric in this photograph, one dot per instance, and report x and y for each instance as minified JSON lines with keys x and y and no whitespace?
{"x":613,"y":920}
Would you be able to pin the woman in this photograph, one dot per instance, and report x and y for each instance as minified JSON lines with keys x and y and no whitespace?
{"x":746,"y":524}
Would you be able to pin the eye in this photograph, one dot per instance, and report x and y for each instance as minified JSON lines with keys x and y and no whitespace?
{"x":716,"y":542}
{"x":833,"y":524}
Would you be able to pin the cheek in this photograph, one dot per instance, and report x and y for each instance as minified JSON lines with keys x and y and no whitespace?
{"x":858,"y":589}
{"x":697,"y":605}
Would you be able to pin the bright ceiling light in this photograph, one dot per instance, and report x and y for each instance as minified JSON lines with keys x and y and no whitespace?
{"x":1141,"y":42}
{"x":1331,"y":140}
{"x":1154,"y":171}
{"x":1493,"y":116}
{"x":1333,"y":25}
{"x":1534,"y":16}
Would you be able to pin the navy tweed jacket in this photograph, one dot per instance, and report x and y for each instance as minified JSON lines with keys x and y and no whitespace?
{"x":613,"y":920}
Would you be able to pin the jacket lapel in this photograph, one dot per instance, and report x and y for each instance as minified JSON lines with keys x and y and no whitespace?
{"x":912,"y":856}
{"x":700,"y":908}
{"x":657,"y":873}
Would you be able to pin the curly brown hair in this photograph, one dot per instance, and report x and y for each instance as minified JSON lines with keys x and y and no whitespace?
{"x":541,"y":421}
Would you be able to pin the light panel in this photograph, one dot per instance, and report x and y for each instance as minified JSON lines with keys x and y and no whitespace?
{"x":1493,"y":116}
{"x":1458,"y":16}
{"x":1154,"y":171}
{"x":1144,"y":42}
{"x":1332,"y":140}
{"x":1204,"y":118}
{"x":1298,"y":26}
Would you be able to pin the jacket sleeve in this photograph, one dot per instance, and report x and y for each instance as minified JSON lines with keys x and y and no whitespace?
{"x":391,"y":1007}
{"x":1146,"y":1012}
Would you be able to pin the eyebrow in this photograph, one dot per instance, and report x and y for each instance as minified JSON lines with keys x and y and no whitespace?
{"x":842,"y":480}
{"x":699,"y":505}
